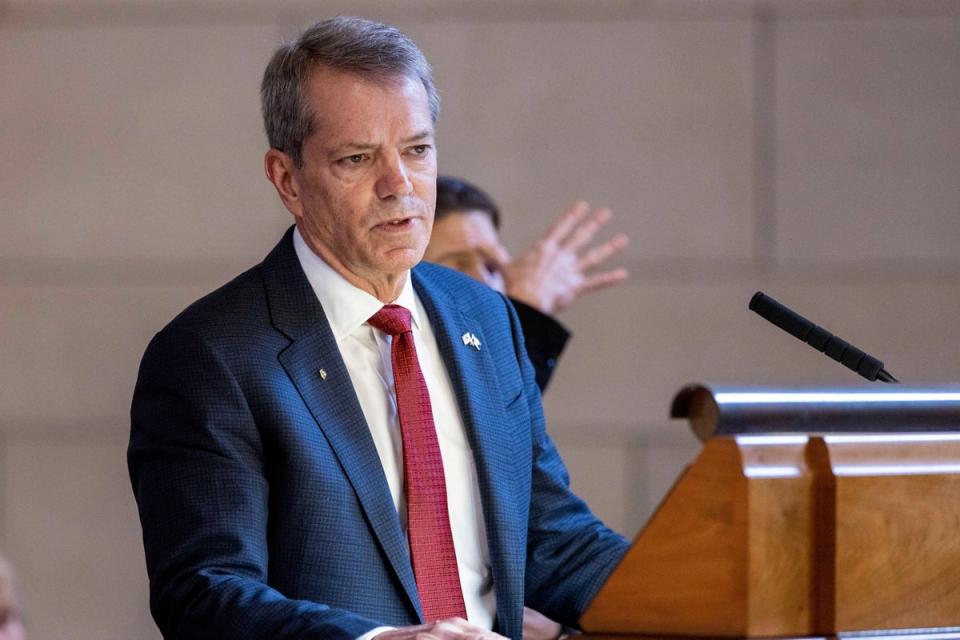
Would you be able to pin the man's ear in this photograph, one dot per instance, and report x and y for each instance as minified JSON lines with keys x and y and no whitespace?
{"x":282,"y":172}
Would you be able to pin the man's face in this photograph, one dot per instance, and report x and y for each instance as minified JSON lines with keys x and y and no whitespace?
{"x":368,"y":182}
{"x":468,"y":242}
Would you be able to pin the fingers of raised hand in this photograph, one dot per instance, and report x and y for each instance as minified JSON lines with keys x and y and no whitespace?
{"x":602,"y":280}
{"x":567,"y":222}
{"x":588,"y":228}
{"x":600,"y":253}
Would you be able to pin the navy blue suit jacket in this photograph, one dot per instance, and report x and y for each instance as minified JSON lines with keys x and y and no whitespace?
{"x":265,"y":511}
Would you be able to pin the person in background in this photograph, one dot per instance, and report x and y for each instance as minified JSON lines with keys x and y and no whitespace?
{"x":549,"y":277}
{"x":11,"y":622}
{"x":542,"y":281}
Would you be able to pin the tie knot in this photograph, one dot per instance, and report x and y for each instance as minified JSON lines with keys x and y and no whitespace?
{"x":392,"y":319}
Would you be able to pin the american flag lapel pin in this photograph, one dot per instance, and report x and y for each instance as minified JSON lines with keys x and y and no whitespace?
{"x":470,"y":340}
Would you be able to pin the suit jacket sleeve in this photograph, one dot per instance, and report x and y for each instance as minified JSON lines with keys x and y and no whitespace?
{"x":570,"y":553}
{"x":545,"y":339}
{"x":196,"y":464}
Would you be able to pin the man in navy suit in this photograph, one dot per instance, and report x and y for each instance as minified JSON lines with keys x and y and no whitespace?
{"x":266,"y":453}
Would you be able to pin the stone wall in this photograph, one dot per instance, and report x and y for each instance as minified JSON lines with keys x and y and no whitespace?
{"x":807,"y":148}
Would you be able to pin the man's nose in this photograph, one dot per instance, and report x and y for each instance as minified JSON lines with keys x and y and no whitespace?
{"x":394,"y":178}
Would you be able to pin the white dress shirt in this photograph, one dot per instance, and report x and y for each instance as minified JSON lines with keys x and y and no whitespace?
{"x":366,"y":352}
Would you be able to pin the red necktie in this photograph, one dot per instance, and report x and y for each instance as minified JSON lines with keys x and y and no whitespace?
{"x":428,"y":523}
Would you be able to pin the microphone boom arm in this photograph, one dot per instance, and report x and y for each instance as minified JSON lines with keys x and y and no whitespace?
{"x":819,"y":338}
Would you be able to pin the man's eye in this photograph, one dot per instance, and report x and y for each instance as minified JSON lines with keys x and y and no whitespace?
{"x":356,"y":158}
{"x":420,"y":149}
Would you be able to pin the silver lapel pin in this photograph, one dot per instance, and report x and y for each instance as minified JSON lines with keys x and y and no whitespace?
{"x":470,"y":340}
{"x":322,"y":373}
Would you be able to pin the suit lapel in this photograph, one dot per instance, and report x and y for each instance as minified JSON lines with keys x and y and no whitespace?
{"x":332,"y":400}
{"x":481,"y":404}
{"x":333,"y":403}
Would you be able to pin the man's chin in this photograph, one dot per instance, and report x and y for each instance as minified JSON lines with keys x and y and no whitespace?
{"x":401,"y":259}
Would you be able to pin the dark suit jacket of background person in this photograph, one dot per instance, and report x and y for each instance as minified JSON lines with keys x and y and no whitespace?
{"x":265,"y":510}
{"x":545,"y":339}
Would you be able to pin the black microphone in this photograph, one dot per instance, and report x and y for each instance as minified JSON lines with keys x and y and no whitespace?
{"x":819,"y":338}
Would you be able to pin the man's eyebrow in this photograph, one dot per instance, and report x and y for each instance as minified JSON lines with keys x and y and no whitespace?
{"x":367,"y":146}
{"x":426,"y":133}
{"x":355,"y":146}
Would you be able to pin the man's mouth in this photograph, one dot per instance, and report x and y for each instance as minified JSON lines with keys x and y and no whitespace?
{"x":396,"y":224}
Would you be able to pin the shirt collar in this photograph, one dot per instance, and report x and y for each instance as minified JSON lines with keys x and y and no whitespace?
{"x":346,"y":306}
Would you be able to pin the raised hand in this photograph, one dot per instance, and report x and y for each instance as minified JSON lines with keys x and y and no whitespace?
{"x":555,"y":270}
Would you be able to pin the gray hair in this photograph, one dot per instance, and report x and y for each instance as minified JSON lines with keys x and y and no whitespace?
{"x":354,"y":45}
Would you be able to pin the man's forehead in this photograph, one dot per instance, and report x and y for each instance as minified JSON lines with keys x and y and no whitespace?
{"x":350,"y":105}
{"x":326,"y":83}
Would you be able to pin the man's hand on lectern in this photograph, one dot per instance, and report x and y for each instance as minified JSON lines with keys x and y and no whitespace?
{"x":449,"y":629}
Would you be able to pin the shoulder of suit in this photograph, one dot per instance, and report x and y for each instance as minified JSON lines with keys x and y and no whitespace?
{"x":240,"y":305}
{"x":466,"y":291}
{"x":228,"y":307}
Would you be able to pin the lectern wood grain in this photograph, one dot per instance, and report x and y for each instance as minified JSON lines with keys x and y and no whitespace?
{"x":792,"y":536}
{"x":724,"y":554}
{"x":898,"y":531}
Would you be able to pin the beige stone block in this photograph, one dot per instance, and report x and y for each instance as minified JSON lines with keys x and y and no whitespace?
{"x":599,"y":473}
{"x":71,"y":354}
{"x":624,"y":476}
{"x":860,"y":9}
{"x":634,"y":347}
{"x":81,"y":11}
{"x":134,"y":141}
{"x":868,"y":139}
{"x":650,"y":117}
{"x":72,"y":531}
{"x":661,"y":463}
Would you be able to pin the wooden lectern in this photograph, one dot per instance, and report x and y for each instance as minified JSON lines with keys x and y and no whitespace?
{"x":806,"y":514}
